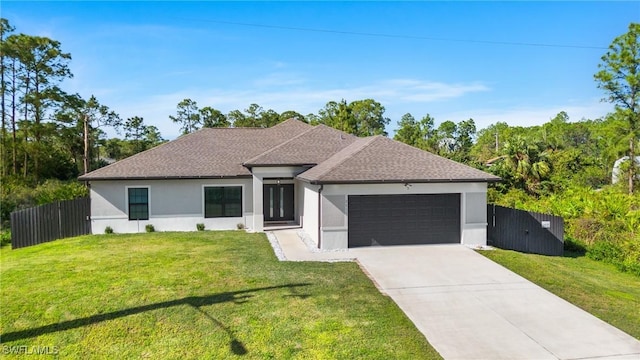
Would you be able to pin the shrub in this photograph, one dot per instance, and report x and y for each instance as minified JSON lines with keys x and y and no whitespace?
{"x":200,"y":227}
{"x":108,"y":230}
{"x":605,"y":251}
{"x":5,"y":237}
{"x":17,"y":194}
{"x":240,"y":226}
{"x":56,"y":190}
{"x":149,"y":228}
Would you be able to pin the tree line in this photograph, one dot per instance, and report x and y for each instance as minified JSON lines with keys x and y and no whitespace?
{"x":49,"y":134}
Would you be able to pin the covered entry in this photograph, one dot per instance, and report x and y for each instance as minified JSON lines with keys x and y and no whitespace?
{"x":403,"y":219}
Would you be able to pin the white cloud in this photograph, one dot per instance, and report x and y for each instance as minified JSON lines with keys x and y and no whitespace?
{"x":527,"y":116}
{"x":282,"y":91}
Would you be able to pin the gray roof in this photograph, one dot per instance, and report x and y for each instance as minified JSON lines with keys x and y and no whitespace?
{"x":309,"y":148}
{"x":336,"y":157}
{"x":378,"y":159}
{"x":206,"y":153}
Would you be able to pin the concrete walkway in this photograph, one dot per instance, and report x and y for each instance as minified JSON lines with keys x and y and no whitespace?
{"x":469,"y":307}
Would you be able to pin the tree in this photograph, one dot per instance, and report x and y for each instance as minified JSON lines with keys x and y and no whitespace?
{"x":368,"y":116}
{"x":329,"y":114}
{"x":5,"y":28}
{"x":360,"y":117}
{"x":45,"y":66}
{"x":527,"y":164}
{"x":446,"y":137}
{"x":419,"y":134}
{"x":34,"y":67}
{"x":236,"y":117}
{"x":290,"y":114}
{"x":250,"y":117}
{"x":97,"y":116}
{"x":187,"y":116}
{"x":85,"y":119}
{"x":212,"y":118}
{"x":136,"y":131}
{"x":255,"y":116}
{"x":152,"y":137}
{"x":619,"y":77}
{"x":408,"y":130}
{"x":269,"y":118}
{"x":464,"y":139}
{"x":553,"y":133}
{"x":10,"y":68}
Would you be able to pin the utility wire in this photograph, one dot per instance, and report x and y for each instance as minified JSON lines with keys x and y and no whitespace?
{"x":396,"y":36}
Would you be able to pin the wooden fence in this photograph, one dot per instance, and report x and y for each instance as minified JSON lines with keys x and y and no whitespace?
{"x":525,"y":231}
{"x":49,"y":222}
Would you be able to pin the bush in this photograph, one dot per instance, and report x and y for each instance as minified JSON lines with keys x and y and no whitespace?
{"x":56,"y":190}
{"x":605,"y":251}
{"x":108,"y":230}
{"x":5,"y":237}
{"x":200,"y":227}
{"x":17,"y":194}
{"x":602,"y":224}
{"x":149,"y":228}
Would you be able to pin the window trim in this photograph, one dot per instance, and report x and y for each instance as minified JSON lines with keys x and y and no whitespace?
{"x":242,"y":200}
{"x":126,"y":197}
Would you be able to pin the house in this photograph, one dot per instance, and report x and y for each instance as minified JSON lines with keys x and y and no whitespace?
{"x":343,"y":191}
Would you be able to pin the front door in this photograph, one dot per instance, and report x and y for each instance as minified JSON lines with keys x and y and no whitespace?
{"x":278,"y":202}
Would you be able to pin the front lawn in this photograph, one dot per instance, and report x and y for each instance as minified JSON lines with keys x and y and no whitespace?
{"x":596,"y":287}
{"x":193,"y":295}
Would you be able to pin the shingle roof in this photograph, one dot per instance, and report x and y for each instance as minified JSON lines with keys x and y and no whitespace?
{"x":206,"y":153}
{"x":309,"y":148}
{"x":378,"y":159}
{"x":340,"y":157}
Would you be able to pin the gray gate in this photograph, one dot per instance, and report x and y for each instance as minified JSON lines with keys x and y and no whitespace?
{"x":49,"y":222}
{"x":525,"y":231}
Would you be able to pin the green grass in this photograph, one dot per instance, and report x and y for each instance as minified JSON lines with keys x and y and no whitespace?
{"x":194,"y":295}
{"x":594,"y":286}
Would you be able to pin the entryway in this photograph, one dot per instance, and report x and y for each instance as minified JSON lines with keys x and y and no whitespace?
{"x":278,"y":202}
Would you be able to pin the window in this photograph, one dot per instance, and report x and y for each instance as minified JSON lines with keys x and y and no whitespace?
{"x":138,"y":204}
{"x":223,"y":201}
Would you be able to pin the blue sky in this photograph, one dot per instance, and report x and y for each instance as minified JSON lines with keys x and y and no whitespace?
{"x":448,"y":59}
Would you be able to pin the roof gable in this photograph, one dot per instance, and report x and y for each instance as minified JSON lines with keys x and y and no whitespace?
{"x":379,"y":159}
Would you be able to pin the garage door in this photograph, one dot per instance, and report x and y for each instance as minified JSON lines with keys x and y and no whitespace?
{"x":404,"y":219}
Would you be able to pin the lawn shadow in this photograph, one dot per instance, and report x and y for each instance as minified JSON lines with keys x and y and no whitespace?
{"x":237,"y":297}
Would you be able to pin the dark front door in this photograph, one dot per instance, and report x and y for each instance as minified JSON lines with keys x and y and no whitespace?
{"x":278,"y":202}
{"x":404,"y":219}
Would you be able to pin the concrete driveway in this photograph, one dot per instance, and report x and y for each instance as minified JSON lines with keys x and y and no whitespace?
{"x":469,"y":307}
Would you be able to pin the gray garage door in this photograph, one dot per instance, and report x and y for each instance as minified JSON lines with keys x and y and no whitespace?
{"x":404,"y":219}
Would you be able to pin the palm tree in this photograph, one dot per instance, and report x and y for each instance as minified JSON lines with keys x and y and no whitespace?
{"x":527,"y":163}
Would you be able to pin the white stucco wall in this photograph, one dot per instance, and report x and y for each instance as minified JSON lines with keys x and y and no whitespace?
{"x":473,"y":230}
{"x":174,"y":205}
{"x":310,"y":210}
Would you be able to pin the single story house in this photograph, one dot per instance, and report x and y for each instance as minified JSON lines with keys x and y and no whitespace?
{"x":343,"y":191}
